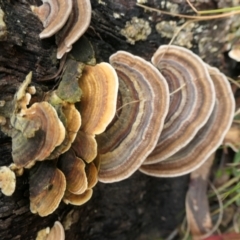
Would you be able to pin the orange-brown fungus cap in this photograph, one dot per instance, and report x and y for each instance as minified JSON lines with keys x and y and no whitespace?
{"x":99,"y":85}
{"x":85,"y":146}
{"x":31,"y":145}
{"x":47,"y":187}
{"x":72,"y":125}
{"x":77,"y":199}
{"x":92,"y":174}
{"x":74,"y":171}
{"x":7,"y":181}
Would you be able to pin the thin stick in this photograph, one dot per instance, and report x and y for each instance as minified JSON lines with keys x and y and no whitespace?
{"x":199,"y":18}
{"x":178,"y":89}
{"x":233,"y":81}
{"x":220,"y":216}
{"x":193,"y":8}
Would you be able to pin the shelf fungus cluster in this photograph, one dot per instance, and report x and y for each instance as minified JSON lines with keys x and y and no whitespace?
{"x":171,"y":115}
{"x":68,"y":19}
{"x":105,"y":121}
{"x":55,"y":137}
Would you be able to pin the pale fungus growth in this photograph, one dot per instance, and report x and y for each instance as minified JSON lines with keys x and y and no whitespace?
{"x":3,"y":27}
{"x":143,"y":100}
{"x":234,"y":53}
{"x":56,"y":232}
{"x":136,"y":30}
{"x":7,"y":181}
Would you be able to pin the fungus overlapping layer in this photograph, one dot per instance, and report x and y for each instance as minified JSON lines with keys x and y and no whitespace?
{"x":200,"y":113}
{"x":143,"y":100}
{"x":69,"y":19}
{"x":208,"y":138}
{"x":50,"y":130}
{"x":192,"y":104}
{"x":126,"y":119}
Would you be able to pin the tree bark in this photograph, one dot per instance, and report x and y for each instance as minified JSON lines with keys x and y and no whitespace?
{"x":140,"y":207}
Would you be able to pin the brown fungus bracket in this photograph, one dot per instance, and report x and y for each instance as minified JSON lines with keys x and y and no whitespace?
{"x":68,"y":18}
{"x":76,"y":26}
{"x":99,"y":85}
{"x":143,"y":100}
{"x":192,"y":99}
{"x":47,"y":187}
{"x":53,"y":14}
{"x":51,"y":133}
{"x":74,"y":171}
{"x":207,"y":140}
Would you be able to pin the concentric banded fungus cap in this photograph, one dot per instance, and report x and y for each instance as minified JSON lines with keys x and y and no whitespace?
{"x":143,"y":101}
{"x":85,"y":146}
{"x":76,"y":26}
{"x":191,"y":102}
{"x":92,"y":174}
{"x":47,"y":187}
{"x":99,"y":85}
{"x":77,"y":200}
{"x":7,"y":181}
{"x":72,"y":125}
{"x":207,"y":140}
{"x":56,"y":232}
{"x":28,"y":144}
{"x":74,"y":171}
{"x":53,"y":14}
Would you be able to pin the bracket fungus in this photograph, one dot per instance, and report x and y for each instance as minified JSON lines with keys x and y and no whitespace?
{"x":68,"y":18}
{"x":208,"y":138}
{"x":47,"y":187}
{"x":192,"y":102}
{"x":55,"y":233}
{"x":53,"y":14}
{"x":74,"y":171}
{"x":51,"y":133}
{"x":78,"y":23}
{"x":143,"y":101}
{"x":35,"y":130}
